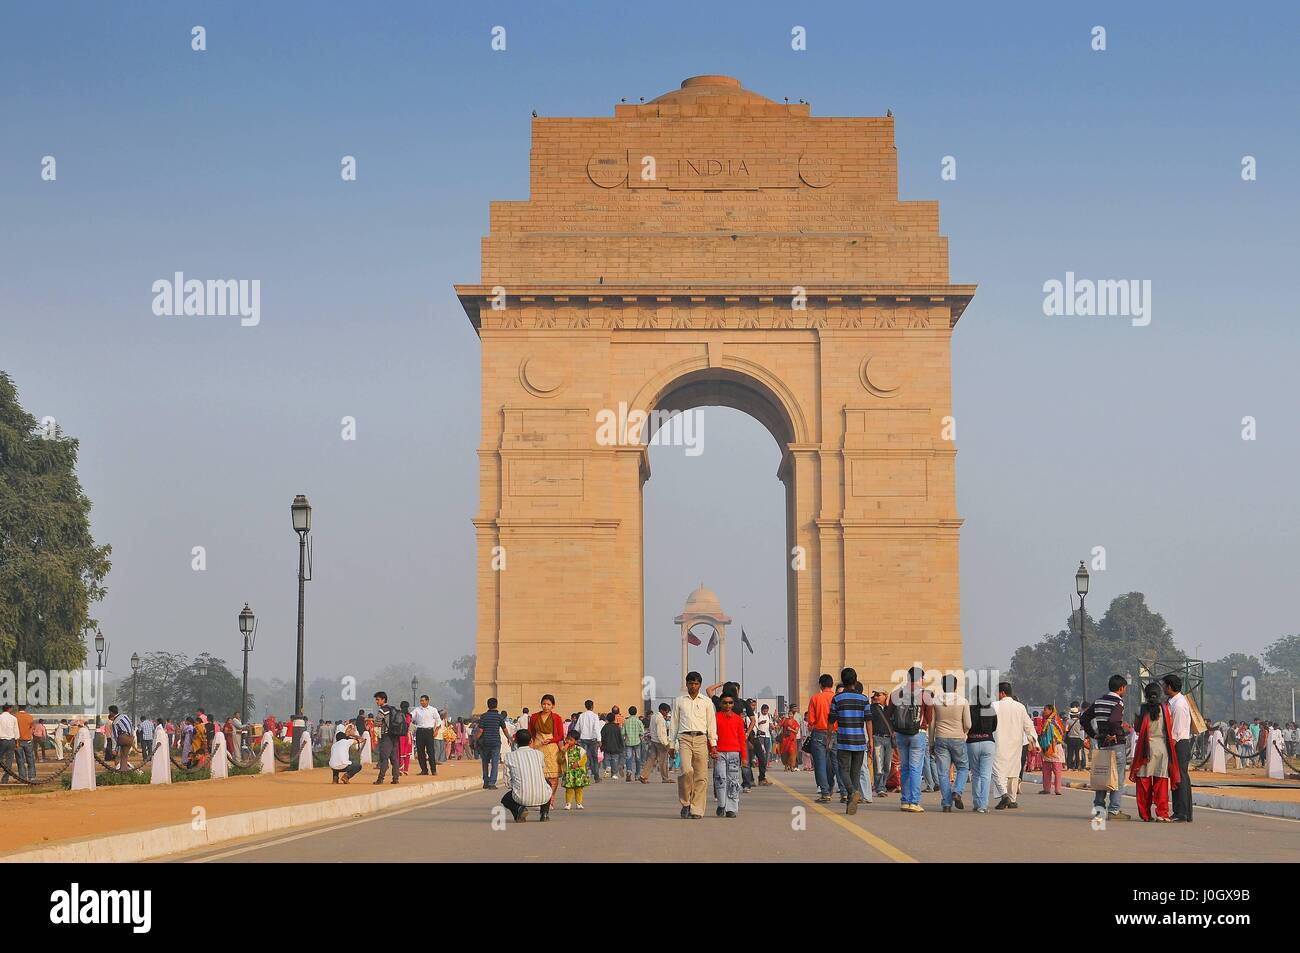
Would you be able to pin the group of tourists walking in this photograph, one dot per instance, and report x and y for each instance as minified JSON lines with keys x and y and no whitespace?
{"x":942,"y":740}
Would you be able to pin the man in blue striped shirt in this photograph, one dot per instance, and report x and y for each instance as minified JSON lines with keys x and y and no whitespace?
{"x":849,"y":718}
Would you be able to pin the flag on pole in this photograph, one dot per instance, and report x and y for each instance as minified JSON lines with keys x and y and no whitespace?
{"x":691,"y":638}
{"x":713,"y":640}
{"x":744,"y":640}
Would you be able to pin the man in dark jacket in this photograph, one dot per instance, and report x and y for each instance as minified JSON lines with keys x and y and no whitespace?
{"x":611,"y":742}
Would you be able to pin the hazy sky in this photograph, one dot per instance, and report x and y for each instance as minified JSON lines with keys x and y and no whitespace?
{"x":1073,"y":432}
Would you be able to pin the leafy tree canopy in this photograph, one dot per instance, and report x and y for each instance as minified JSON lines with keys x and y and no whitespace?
{"x":51,"y":571}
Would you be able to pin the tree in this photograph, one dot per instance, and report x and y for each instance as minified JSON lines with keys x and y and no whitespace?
{"x":463,"y":686}
{"x":51,"y":571}
{"x":1128,"y":634}
{"x":169,"y":685}
{"x":1284,"y":654}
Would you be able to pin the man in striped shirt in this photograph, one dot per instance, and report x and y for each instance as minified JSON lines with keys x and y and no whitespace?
{"x":527,"y":783}
{"x":1105,"y":718}
{"x":848,"y":718}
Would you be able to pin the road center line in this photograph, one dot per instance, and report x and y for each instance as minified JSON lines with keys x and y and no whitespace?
{"x":880,"y":844}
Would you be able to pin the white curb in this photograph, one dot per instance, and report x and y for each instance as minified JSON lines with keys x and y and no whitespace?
{"x":161,"y":841}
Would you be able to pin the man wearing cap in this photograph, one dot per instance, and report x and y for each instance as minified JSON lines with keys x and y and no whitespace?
{"x":1074,"y":740}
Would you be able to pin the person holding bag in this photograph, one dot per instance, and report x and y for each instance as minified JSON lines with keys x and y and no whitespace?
{"x":1104,"y":724}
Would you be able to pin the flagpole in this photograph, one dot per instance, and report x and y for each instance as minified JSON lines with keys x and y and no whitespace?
{"x":742,"y":660}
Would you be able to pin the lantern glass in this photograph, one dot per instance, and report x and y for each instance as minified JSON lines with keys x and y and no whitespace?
{"x":135,"y":661}
{"x":1081,"y":580}
{"x":99,"y":641}
{"x":301,"y":511}
{"x":246,"y":620}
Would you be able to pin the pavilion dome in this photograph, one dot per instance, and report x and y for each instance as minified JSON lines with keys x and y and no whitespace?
{"x":703,"y":602}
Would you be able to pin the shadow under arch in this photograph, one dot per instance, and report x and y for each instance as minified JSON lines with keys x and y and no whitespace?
{"x":737,"y":383}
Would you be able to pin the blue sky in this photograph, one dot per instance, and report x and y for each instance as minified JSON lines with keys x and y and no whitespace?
{"x":1072,"y":432}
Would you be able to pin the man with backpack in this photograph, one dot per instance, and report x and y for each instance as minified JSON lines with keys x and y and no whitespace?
{"x":910,"y":711}
{"x":394,"y":722}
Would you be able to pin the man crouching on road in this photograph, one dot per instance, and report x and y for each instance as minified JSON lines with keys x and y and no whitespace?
{"x":526,"y":779}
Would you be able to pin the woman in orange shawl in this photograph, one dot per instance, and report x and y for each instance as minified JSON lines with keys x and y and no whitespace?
{"x":199,"y":746}
{"x":547,"y":730}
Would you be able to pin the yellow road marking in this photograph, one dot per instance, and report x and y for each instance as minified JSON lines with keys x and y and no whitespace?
{"x":880,"y":844}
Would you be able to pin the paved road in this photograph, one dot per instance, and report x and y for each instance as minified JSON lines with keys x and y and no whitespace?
{"x":635,"y":822}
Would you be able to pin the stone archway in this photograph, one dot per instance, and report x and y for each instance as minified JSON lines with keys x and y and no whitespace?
{"x":713,"y":247}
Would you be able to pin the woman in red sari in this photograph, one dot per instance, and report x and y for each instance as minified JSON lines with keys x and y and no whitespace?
{"x":547,"y":730}
{"x":1034,"y":758}
{"x":789,"y":747}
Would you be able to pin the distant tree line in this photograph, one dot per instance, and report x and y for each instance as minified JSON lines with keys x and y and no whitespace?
{"x":1130,"y":635}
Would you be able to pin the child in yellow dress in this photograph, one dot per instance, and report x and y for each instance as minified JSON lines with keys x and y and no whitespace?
{"x":574,"y":775}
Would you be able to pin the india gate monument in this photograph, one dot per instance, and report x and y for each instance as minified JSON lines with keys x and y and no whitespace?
{"x":712,"y":247}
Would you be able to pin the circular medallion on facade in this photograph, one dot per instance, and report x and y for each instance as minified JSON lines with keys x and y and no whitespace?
{"x":607,"y":169}
{"x":879,"y":376}
{"x":816,"y":171}
{"x":542,"y":377}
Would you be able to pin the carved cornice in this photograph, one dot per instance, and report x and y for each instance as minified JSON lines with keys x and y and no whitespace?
{"x":742,"y":307}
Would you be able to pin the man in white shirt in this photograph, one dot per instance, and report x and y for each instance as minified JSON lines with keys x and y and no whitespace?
{"x":1180,"y":714}
{"x":695,"y":735}
{"x":341,"y":758}
{"x":657,"y":741}
{"x":8,"y":742}
{"x":589,"y":726}
{"x":525,"y":779}
{"x":1015,"y":730}
{"x":426,"y":722}
{"x":763,"y":736}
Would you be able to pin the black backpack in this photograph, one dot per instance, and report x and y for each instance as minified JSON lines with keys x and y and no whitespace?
{"x":907,"y":718}
{"x":394,"y":722}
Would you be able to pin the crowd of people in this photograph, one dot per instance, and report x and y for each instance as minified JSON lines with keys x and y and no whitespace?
{"x":859,"y":745}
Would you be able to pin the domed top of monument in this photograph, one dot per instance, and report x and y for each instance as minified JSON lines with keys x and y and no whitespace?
{"x":710,"y":95}
{"x":711,"y":86}
{"x":704,"y":601}
{"x":702,"y":604}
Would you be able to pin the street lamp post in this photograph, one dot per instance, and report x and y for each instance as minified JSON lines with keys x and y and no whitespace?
{"x":301,"y":513}
{"x":415,"y":686}
{"x":248,"y":628}
{"x":135,"y":677}
{"x":322,"y":708}
{"x":1081,"y":587}
{"x":1234,"y":694}
{"x":100,"y":645}
{"x":201,"y":669}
